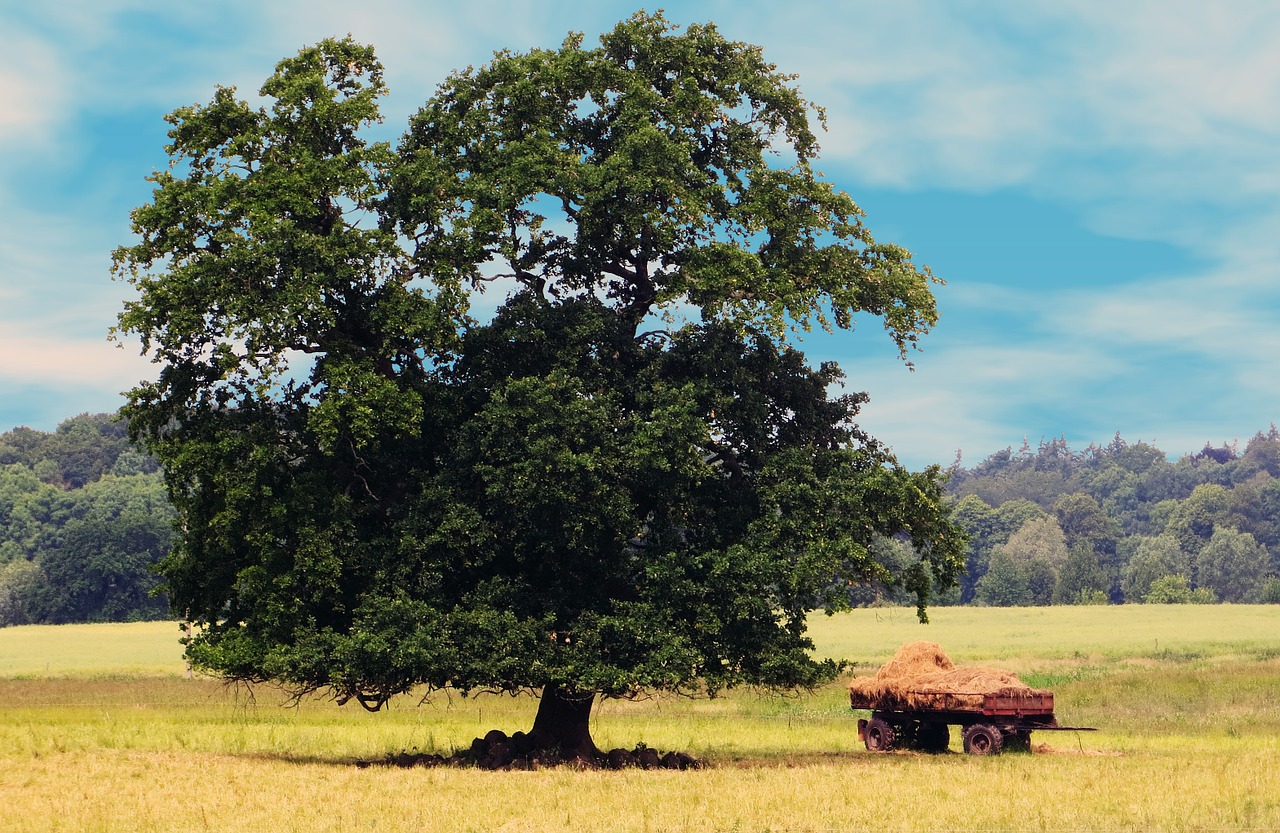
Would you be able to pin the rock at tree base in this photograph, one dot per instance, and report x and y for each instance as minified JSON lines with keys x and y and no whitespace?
{"x":497,"y":751}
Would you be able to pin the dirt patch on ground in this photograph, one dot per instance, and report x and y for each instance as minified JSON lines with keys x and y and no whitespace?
{"x":921,"y":676}
{"x":497,"y":751}
{"x":1046,"y":749}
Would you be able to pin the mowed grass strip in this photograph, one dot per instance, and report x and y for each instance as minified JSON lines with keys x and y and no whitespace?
{"x":125,"y":650}
{"x":1013,"y":637}
{"x":1189,"y":740}
{"x":1023,"y":637}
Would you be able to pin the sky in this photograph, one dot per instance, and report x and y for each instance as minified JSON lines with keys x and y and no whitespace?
{"x":1097,"y":183}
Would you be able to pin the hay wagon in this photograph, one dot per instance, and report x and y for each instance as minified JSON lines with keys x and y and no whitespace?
{"x":919,"y":694}
{"x":989,"y":722}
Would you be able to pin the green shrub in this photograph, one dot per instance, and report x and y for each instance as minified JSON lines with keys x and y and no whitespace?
{"x":1176,"y":589}
{"x":1269,"y":594}
{"x":1091,"y":597}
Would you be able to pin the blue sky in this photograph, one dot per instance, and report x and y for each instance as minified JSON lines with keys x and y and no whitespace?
{"x":1097,"y":182}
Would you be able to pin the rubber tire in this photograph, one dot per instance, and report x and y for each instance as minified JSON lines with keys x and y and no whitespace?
{"x":879,"y":736}
{"x":933,"y":737}
{"x":983,"y":739}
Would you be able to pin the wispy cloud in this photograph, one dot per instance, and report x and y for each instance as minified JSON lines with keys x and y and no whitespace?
{"x":29,"y":92}
{"x":89,"y":365}
{"x":1158,"y":360}
{"x":1153,"y":120}
{"x":1150,"y":120}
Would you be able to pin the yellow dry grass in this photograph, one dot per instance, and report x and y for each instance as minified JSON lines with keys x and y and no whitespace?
{"x":1189,"y":741}
{"x":133,"y":649}
{"x":155,"y":792}
{"x":1018,"y":637}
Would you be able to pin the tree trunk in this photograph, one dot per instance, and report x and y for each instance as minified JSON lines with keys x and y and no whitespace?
{"x":563,"y":723}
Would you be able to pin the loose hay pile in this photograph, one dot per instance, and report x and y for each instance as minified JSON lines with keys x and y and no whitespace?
{"x":922,"y":677}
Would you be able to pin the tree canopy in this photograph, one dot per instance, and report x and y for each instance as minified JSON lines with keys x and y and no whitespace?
{"x":623,"y":478}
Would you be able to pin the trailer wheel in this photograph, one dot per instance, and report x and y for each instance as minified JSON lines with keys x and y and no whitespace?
{"x":983,"y":739}
{"x":933,"y":737}
{"x":879,"y":736}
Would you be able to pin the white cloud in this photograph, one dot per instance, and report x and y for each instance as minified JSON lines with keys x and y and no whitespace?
{"x":1176,"y":315}
{"x":33,"y":91}
{"x":1178,"y":362}
{"x":31,"y":357}
{"x":1134,"y":109}
{"x":973,"y":393}
{"x":1148,"y":120}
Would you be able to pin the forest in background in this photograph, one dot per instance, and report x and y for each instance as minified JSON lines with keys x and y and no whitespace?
{"x":1120,"y":523}
{"x":84,"y":518}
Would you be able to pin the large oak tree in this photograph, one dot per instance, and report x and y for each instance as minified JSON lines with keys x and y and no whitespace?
{"x":619,"y":476}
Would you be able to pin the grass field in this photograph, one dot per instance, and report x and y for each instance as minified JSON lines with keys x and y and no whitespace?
{"x":102,"y":729}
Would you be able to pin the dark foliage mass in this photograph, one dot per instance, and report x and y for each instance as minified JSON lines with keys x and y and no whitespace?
{"x":619,"y":476}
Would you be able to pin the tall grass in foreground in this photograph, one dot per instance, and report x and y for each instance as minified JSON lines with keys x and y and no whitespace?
{"x":1189,"y":740}
{"x":112,"y":791}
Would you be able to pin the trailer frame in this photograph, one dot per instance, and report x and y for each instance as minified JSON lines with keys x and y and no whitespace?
{"x":1003,"y":721}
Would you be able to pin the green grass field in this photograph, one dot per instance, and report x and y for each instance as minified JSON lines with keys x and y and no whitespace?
{"x":102,"y":729}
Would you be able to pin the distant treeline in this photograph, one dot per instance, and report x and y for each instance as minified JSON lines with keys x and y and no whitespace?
{"x":83,"y":520}
{"x":1120,"y":524}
